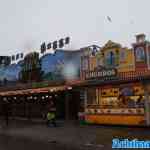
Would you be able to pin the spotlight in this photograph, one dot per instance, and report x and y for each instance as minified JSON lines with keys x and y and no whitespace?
{"x":69,"y":88}
{"x":5,"y":98}
{"x":51,"y":90}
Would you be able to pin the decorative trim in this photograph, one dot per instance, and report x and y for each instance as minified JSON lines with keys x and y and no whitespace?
{"x":129,"y":111}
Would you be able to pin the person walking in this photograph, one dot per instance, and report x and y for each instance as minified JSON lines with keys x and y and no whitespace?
{"x":51,"y":118}
{"x":51,"y":115}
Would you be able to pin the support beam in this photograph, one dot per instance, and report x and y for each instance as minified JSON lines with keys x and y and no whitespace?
{"x":147,"y":105}
{"x":85,"y":99}
{"x":67,"y":105}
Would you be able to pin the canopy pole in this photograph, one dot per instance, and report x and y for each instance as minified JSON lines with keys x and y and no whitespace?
{"x":147,"y":105}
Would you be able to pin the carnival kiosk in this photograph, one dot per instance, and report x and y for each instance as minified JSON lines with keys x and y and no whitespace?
{"x":116,"y":84}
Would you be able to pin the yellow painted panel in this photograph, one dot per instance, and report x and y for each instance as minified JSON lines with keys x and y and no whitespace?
{"x":128,"y":64}
{"x":93,"y":62}
{"x":116,"y":119}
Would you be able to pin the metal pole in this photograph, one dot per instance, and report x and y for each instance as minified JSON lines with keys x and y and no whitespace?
{"x":147,"y":105}
{"x":67,"y":105}
{"x":85,"y":99}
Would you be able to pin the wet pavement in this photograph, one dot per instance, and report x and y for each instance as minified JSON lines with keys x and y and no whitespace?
{"x":68,"y":136}
{"x":15,"y":143}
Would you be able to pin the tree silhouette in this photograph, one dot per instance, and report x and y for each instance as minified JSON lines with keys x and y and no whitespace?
{"x":31,"y":68}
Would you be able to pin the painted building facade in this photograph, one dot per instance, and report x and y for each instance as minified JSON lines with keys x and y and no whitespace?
{"x":117,"y":84}
{"x":34,"y":82}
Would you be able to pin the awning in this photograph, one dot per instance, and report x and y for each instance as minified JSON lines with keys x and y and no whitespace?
{"x":33,"y":91}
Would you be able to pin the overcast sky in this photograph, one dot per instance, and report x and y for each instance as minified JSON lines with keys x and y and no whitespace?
{"x":25,"y":24}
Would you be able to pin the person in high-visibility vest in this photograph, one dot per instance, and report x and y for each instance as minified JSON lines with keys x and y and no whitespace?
{"x":51,"y":117}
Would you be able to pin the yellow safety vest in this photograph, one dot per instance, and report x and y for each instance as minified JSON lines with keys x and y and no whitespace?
{"x":50,"y":116}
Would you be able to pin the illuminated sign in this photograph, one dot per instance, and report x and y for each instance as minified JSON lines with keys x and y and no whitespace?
{"x":101,"y":73}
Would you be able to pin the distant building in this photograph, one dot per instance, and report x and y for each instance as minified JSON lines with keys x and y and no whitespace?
{"x":31,"y":68}
{"x":62,"y":65}
{"x":4,"y":61}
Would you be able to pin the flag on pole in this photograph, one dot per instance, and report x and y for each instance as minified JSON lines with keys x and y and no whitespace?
{"x":17,"y":56}
{"x":61,"y":43}
{"x":55,"y":45}
{"x":43,"y":48}
{"x":21,"y":55}
{"x":67,"y":40}
{"x":13,"y":57}
{"x":49,"y":46}
{"x":109,"y":19}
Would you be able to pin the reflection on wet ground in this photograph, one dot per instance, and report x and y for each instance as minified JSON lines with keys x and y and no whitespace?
{"x":122,"y":133}
{"x":13,"y":143}
{"x":70,"y":136}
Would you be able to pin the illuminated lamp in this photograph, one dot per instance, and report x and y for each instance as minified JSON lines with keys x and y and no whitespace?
{"x":51,"y":90}
{"x":69,"y":88}
{"x":35,"y":97}
{"x":42,"y":97}
{"x":15,"y":98}
{"x":56,"y":95}
{"x":5,"y":98}
{"x":46,"y":96}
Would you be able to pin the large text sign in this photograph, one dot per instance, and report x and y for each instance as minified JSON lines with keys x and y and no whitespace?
{"x":101,"y":74}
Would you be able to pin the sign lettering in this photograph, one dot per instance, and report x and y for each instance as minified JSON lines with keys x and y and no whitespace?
{"x":101,"y":74}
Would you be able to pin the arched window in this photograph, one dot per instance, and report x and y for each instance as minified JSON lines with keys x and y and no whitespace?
{"x":140,"y":54}
{"x":122,"y":55}
{"x":110,"y":58}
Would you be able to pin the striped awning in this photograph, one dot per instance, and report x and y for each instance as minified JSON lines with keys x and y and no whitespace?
{"x":34,"y":91}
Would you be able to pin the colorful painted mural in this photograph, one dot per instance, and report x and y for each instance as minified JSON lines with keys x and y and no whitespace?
{"x":61,"y":65}
{"x":115,"y":83}
{"x":114,"y":55}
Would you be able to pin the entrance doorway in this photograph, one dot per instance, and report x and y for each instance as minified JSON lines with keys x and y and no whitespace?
{"x":36,"y":105}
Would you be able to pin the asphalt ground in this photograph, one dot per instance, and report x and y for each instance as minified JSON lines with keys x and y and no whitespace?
{"x":26,"y":135}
